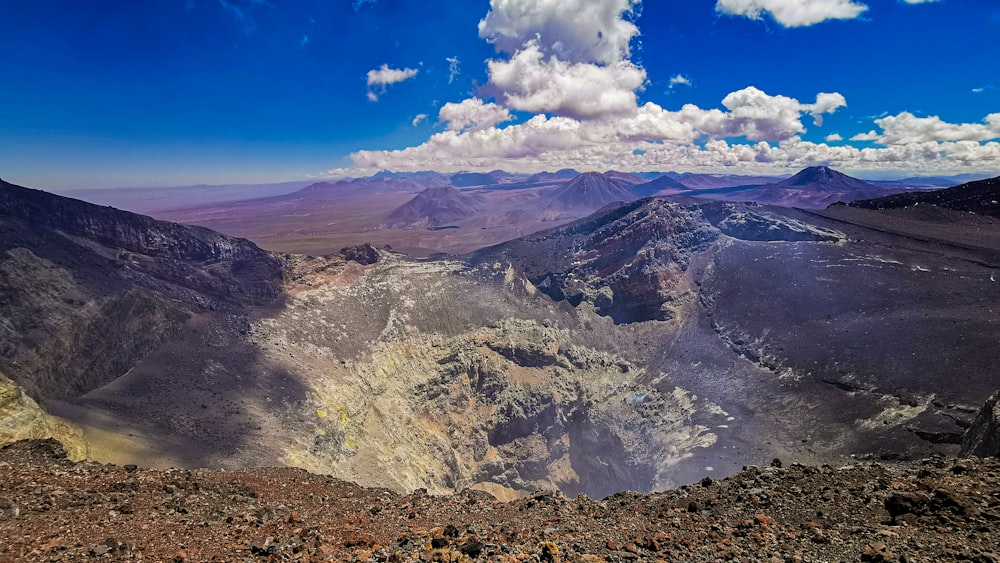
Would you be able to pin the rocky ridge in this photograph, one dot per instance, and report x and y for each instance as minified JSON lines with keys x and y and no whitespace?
{"x":932,"y":510}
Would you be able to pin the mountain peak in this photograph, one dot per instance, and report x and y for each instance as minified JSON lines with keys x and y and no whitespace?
{"x":824,"y":178}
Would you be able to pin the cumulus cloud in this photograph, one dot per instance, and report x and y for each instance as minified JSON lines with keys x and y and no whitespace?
{"x":572,"y":30}
{"x":473,"y":114}
{"x":420,"y":118}
{"x":532,"y":82}
{"x":756,"y":115}
{"x":793,"y":13}
{"x":869,"y":136}
{"x":380,"y":78}
{"x":473,"y":139}
{"x":906,"y":128}
{"x":568,"y":64}
{"x":550,"y":142}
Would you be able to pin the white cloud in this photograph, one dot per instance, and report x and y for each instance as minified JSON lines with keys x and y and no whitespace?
{"x":793,"y":13}
{"x":568,"y":64}
{"x":382,"y":77}
{"x":919,"y":1}
{"x":869,"y":136}
{"x":678,"y":80}
{"x":757,"y":115}
{"x":473,"y":140}
{"x":420,"y":118}
{"x":531,"y":82}
{"x":906,"y":129}
{"x":473,"y":115}
{"x":453,"y":70}
{"x":573,"y":30}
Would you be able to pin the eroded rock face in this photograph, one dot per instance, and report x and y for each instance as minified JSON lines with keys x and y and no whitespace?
{"x":364,"y":254}
{"x":741,"y":222}
{"x":514,"y":406}
{"x":982,"y":439}
{"x":22,"y":419}
{"x":629,"y":263}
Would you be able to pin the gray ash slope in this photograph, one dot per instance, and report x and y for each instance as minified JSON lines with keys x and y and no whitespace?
{"x":981,"y":197}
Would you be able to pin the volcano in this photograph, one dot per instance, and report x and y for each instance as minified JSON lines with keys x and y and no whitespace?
{"x":435,"y":207}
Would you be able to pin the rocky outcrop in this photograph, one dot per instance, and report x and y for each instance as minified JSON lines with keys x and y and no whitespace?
{"x":982,"y":439}
{"x":740,"y":222}
{"x":364,"y":254}
{"x":628,"y":263}
{"x":22,"y":419}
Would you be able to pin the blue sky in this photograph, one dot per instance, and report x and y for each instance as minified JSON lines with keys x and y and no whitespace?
{"x":166,"y":92}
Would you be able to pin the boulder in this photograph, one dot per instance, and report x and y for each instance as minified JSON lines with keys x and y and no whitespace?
{"x":982,"y":439}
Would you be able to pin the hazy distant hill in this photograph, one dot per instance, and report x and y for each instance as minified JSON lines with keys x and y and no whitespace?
{"x":664,"y":185}
{"x":815,"y":187}
{"x":435,"y":207}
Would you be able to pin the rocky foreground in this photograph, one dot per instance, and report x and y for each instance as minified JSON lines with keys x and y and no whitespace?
{"x":52,"y":509}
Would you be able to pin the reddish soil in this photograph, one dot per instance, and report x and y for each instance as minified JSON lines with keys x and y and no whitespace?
{"x":52,"y":509}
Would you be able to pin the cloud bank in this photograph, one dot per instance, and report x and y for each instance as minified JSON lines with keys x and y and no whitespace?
{"x":566,"y":95}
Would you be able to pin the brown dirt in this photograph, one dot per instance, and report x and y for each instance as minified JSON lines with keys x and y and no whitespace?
{"x":52,"y":509}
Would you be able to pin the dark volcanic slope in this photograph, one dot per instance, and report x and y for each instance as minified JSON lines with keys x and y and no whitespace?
{"x":86,"y":292}
{"x":435,"y":207}
{"x":860,"y":341}
{"x":982,"y":197}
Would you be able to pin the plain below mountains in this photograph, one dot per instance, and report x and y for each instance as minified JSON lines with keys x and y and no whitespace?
{"x":425,"y":213}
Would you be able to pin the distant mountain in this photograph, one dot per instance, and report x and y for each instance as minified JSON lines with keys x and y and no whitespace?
{"x":427,"y":176}
{"x":587,"y":193}
{"x":623,"y":178}
{"x":823,"y":179}
{"x":323,"y":191}
{"x":929,"y":182}
{"x":147,"y":200}
{"x":714,"y":181}
{"x":982,"y":197}
{"x":815,"y":187}
{"x":469,"y":179}
{"x":435,"y":207}
{"x":650,"y":176}
{"x":545,"y":177}
{"x":664,"y":185}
